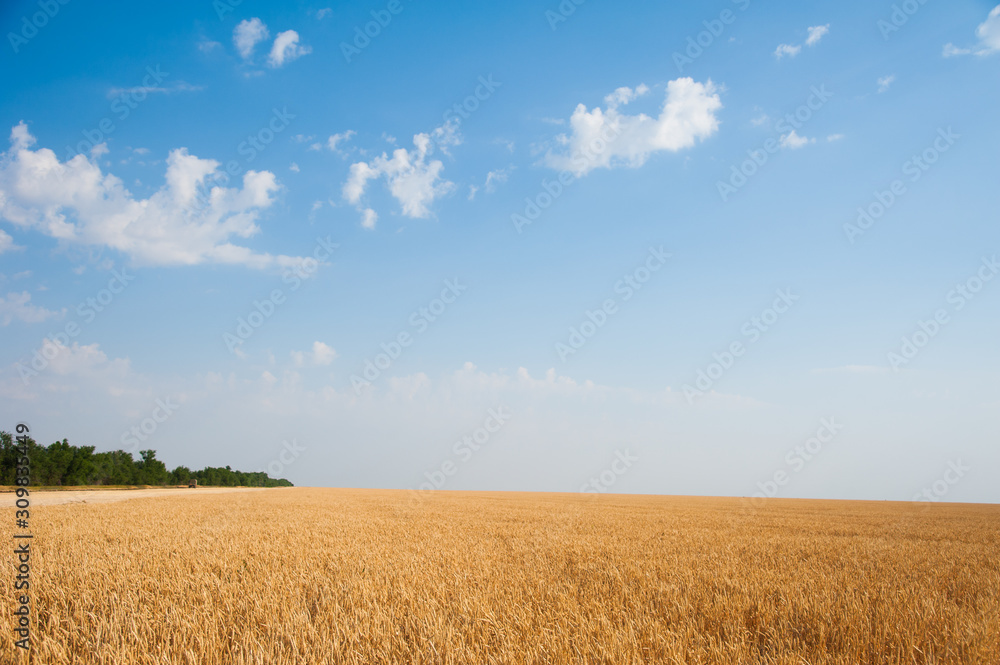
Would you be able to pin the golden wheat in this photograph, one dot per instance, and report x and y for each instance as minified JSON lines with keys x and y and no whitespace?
{"x":353,"y":576}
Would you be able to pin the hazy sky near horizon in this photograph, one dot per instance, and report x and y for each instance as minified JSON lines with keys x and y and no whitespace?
{"x":715,"y":248}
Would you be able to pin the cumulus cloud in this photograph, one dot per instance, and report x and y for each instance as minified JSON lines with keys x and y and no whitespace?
{"x":786,"y":50}
{"x":18,"y":307}
{"x":286,"y":48}
{"x":321,"y":355}
{"x":885,"y":81}
{"x":6,"y":242}
{"x":368,"y":218}
{"x":248,"y":34}
{"x":988,"y":33}
{"x":609,"y":138}
{"x":816,"y":33}
{"x":414,"y":179}
{"x":497,"y":176}
{"x":793,"y":141}
{"x":76,"y":376}
{"x":333,"y":143}
{"x":190,"y":219}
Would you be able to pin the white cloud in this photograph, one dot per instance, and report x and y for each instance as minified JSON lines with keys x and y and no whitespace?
{"x":793,"y":141}
{"x":816,"y":33}
{"x":76,"y":203}
{"x":950,"y":51}
{"x":336,"y":139}
{"x":286,"y":48}
{"x":81,"y":375}
{"x":885,"y":81}
{"x":17,"y":306}
{"x":608,"y":138}
{"x":786,"y":50}
{"x":248,"y":34}
{"x":760,"y":120}
{"x":323,"y":13}
{"x":493,"y":177}
{"x":988,"y":33}
{"x":83,"y":360}
{"x":834,"y":137}
{"x":293,"y":167}
{"x":472,"y":192}
{"x":558,"y":431}
{"x":368,"y":218}
{"x":321,"y":355}
{"x":6,"y":242}
{"x":413,"y":179}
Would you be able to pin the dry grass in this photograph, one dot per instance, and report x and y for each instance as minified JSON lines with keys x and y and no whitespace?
{"x":351,"y":576}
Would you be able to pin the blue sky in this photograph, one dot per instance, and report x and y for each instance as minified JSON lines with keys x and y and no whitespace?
{"x":511,"y":169}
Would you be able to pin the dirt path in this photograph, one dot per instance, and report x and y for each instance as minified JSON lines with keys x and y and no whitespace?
{"x":42,"y":498}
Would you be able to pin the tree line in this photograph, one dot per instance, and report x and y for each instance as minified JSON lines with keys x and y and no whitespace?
{"x":63,"y":464}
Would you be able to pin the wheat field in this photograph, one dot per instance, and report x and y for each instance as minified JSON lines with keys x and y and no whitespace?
{"x":367,"y":576}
